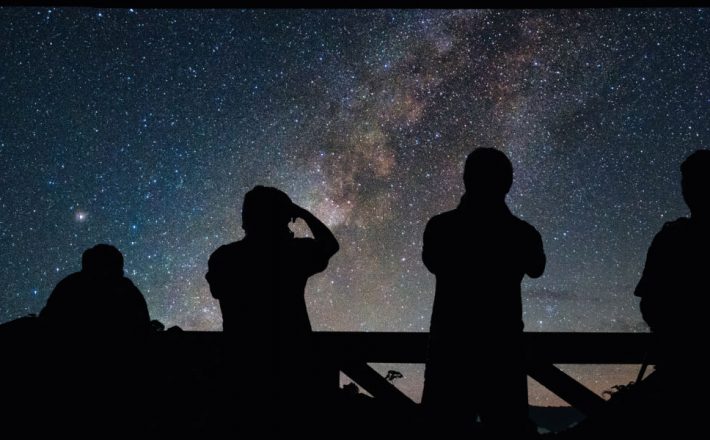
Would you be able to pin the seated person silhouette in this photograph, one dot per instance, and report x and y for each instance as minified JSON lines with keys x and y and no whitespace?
{"x":674,"y":291}
{"x":98,"y":302}
{"x":260,"y":283}
{"x":97,"y":325}
{"x":479,"y":253}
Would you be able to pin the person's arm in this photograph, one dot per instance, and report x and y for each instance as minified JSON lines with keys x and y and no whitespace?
{"x":649,"y":283}
{"x":650,"y":286}
{"x":56,"y":303}
{"x":431,"y":254}
{"x":139,"y":309}
{"x":215,"y":273}
{"x":537,"y":260}
{"x":326,"y":242}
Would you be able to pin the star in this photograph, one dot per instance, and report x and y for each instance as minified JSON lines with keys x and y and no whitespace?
{"x":148,"y":126}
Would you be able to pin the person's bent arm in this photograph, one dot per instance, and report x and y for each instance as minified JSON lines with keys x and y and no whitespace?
{"x":327,"y":243}
{"x":650,"y":287}
{"x":537,"y":261}
{"x":431,"y":255}
{"x":215,"y":274}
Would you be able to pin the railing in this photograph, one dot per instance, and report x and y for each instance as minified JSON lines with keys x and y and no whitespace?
{"x":184,"y":367}
{"x":351,"y":352}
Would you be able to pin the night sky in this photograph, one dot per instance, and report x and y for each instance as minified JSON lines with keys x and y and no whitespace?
{"x":144,"y":129}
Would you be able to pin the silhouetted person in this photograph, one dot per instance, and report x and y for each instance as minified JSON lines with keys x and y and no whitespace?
{"x":260,"y":282}
{"x":675,"y":291}
{"x":97,"y":325}
{"x":98,"y":302}
{"x":672,"y":401}
{"x":479,"y":253}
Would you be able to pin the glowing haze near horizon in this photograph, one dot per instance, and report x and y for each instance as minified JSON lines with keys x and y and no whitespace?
{"x":144,"y":129}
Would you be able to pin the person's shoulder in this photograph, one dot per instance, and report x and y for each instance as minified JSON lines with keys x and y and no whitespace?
{"x":672,"y":230}
{"x":71,"y":279}
{"x":443,"y":219}
{"x":127,"y":285}
{"x":524,"y":226}
{"x":678,"y":225}
{"x":69,"y":285}
{"x":227,"y":250}
{"x":126,"y":282}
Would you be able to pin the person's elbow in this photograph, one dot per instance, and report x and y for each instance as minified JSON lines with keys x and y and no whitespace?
{"x":325,"y":252}
{"x":537,"y":268}
{"x":334,"y":248}
{"x":646,"y":287}
{"x":331,"y":248}
{"x":430,"y":262}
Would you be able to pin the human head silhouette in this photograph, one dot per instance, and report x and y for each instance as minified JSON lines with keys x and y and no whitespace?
{"x":488,"y":174}
{"x":266,"y":211}
{"x":696,"y":183}
{"x":102,"y":260}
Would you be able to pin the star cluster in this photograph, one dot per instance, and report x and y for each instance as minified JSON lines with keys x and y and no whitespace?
{"x":144,"y":129}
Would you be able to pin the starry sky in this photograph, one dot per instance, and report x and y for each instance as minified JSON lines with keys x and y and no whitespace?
{"x":144,"y":129}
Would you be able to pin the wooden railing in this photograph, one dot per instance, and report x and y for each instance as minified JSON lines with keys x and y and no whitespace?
{"x":184,"y":367}
{"x":351,"y":352}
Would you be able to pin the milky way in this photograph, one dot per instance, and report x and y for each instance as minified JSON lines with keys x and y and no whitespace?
{"x":144,"y":129}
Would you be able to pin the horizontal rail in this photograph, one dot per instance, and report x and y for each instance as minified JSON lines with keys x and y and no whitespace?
{"x":542,"y":347}
{"x":350,"y":352}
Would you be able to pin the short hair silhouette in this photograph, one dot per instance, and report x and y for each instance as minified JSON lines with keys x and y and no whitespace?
{"x":696,"y":181}
{"x":96,"y":321}
{"x":260,"y":283}
{"x":488,"y":171}
{"x":102,"y":259}
{"x":674,"y":303}
{"x":479,"y":253}
{"x":265,"y":209}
